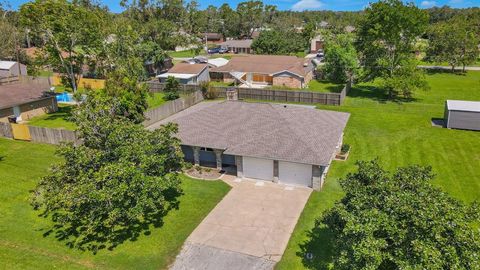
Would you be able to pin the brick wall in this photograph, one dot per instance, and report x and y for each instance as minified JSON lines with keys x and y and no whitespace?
{"x":291,"y":82}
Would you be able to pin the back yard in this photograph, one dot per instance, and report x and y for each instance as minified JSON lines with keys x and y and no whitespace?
{"x":23,"y":246}
{"x":61,"y":118}
{"x":398,"y":134}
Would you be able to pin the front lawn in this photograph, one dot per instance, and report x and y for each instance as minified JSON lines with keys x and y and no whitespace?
{"x":23,"y":246}
{"x":59,"y":119}
{"x":398,"y":134}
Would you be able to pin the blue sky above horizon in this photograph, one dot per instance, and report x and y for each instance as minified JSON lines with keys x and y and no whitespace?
{"x":298,"y":5}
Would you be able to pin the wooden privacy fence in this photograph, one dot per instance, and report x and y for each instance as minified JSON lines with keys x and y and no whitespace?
{"x":269,"y":94}
{"x":172,"y":107}
{"x":156,"y":86}
{"x":37,"y":134}
{"x":52,"y":135}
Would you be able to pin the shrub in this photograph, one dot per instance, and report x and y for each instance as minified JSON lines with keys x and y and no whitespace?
{"x":171,"y":89}
{"x":345,"y":148}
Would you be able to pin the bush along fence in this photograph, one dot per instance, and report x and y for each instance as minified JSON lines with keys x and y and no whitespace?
{"x":56,"y":136}
{"x":268,"y":94}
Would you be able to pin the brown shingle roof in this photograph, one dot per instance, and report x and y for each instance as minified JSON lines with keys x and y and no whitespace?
{"x":266,"y":64}
{"x":185,"y":68}
{"x":237,"y":43}
{"x":273,"y":131}
{"x":20,"y":93}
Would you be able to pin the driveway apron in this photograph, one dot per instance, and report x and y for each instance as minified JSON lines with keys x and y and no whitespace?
{"x":248,"y":229}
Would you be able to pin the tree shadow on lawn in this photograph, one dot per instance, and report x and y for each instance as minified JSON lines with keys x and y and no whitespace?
{"x":375,"y":93}
{"x":63,"y":112}
{"x":320,"y":248}
{"x":110,"y":239}
{"x":433,"y":71}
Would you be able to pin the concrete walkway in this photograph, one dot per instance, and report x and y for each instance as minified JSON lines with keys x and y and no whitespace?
{"x":248,"y":229}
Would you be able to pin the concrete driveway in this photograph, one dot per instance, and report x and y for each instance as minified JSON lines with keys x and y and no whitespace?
{"x":248,"y":229}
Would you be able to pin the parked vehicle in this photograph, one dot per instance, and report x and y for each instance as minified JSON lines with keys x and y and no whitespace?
{"x":214,"y":50}
{"x":320,"y":54}
{"x":223,"y":50}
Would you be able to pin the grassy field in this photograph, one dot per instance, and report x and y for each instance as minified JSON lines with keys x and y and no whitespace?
{"x":23,"y":246}
{"x":59,"y":119}
{"x":398,"y":134}
{"x":324,"y":87}
{"x":155,"y":100}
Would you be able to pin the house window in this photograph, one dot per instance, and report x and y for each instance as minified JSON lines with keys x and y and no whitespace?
{"x":206,"y":149}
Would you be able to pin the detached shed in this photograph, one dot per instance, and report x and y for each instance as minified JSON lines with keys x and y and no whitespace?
{"x":462,"y":114}
{"x":11,"y":68}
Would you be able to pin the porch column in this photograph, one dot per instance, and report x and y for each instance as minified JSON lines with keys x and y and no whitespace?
{"x":218,"y":157}
{"x":196,"y":155}
{"x":317,"y":177}
{"x":239,"y":164}
{"x":275,"y":171}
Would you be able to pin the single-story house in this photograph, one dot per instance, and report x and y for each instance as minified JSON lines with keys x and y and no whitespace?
{"x":264,"y":70}
{"x":238,"y":45}
{"x":187,"y":73}
{"x":24,"y":100}
{"x":289,"y":144}
{"x":462,"y":114}
{"x":213,"y":37}
{"x":12,"y":68}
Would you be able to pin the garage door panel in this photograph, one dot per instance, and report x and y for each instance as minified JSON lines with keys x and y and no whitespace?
{"x":295,"y":173}
{"x":258,"y":168}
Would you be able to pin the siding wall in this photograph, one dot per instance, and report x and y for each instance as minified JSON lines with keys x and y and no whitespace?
{"x":464,"y":120}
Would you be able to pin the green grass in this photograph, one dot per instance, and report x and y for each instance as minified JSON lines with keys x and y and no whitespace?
{"x":215,"y":83}
{"x":59,"y":119}
{"x":23,"y":246}
{"x":324,"y":86}
{"x":399,"y":134}
{"x":155,"y":100}
{"x":187,"y":53}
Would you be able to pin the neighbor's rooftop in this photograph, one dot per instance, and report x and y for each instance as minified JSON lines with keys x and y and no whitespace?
{"x":15,"y":94}
{"x":463,"y":105}
{"x":264,"y":130}
{"x":265,"y":64}
{"x":6,"y":64}
{"x":184,"y":70}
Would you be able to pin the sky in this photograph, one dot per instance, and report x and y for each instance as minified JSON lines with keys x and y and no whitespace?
{"x":299,"y":5}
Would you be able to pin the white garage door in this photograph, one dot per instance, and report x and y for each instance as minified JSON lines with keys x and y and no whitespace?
{"x":258,"y":168}
{"x":295,"y":173}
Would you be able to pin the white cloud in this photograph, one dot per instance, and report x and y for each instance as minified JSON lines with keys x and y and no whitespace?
{"x":428,"y":4}
{"x":307,"y":5}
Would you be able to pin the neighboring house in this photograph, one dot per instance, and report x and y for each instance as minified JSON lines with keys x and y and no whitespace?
{"x":238,"y":45}
{"x":349,"y":29}
{"x":187,"y":73}
{"x":263,"y":70}
{"x":12,"y":68}
{"x":213,"y":38}
{"x":25,"y":100}
{"x":462,"y":114}
{"x":316,"y":43}
{"x":289,"y":144}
